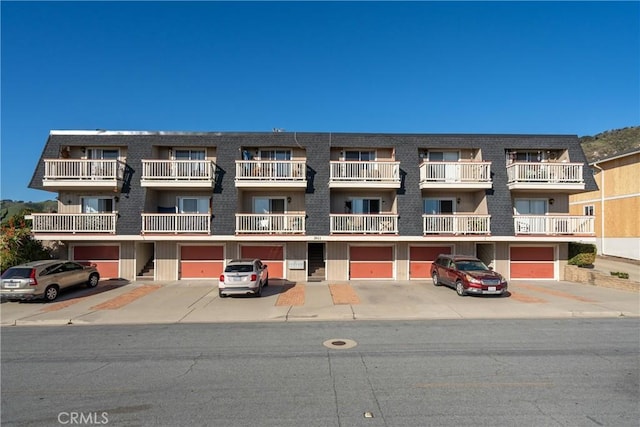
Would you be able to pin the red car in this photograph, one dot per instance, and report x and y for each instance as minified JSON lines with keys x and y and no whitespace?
{"x":467,"y":275}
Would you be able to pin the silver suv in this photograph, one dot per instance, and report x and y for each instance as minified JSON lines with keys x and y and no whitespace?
{"x":45,"y":279}
{"x":243,"y":277}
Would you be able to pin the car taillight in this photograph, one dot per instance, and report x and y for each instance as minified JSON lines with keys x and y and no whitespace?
{"x":254,"y":277}
{"x":32,"y":278}
{"x":222,"y":277}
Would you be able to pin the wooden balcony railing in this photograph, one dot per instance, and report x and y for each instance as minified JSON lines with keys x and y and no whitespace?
{"x":455,"y":172}
{"x":364,"y":223}
{"x":456,"y":224}
{"x":176,"y":223}
{"x":554,"y":224}
{"x":271,"y":170}
{"x":178,"y":170}
{"x":288,"y":223}
{"x":545,"y":173}
{"x":74,"y":223}
{"x":82,"y":169}
{"x":365,"y":172}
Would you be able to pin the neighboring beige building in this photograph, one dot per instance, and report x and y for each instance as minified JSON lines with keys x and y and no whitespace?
{"x":616,"y":205}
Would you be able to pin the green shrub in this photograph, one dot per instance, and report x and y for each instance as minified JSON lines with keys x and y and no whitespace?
{"x":583,"y":260}
{"x":582,"y":254}
{"x":620,"y":274}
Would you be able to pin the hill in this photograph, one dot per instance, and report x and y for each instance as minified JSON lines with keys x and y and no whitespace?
{"x":9,"y":208}
{"x":610,"y":143}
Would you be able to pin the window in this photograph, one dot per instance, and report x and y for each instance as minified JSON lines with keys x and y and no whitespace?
{"x":193,"y":205}
{"x":97,"y":205}
{"x":264,"y":205}
{"x":588,"y":210}
{"x":360,"y":156}
{"x":103,"y":153}
{"x":531,"y":206}
{"x":276,"y":170}
{"x":443,"y":156}
{"x":193,"y":164}
{"x":439,"y":206}
{"x":363,"y":206}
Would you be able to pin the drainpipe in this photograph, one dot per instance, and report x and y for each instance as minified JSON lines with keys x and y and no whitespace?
{"x":601,"y":207}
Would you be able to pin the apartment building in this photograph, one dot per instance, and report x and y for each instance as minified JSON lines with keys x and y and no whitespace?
{"x":313,"y":206}
{"x":615,"y":204}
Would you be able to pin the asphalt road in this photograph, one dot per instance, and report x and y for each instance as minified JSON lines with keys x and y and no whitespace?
{"x":568,"y":372}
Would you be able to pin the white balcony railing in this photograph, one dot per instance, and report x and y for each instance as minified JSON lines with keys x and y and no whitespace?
{"x":82,"y":169}
{"x":545,"y":173}
{"x":456,"y":224}
{"x":176,"y":223}
{"x":288,"y":223}
{"x":386,"y":172}
{"x":554,"y":224}
{"x":271,"y":170}
{"x":74,"y":223}
{"x":455,"y":172}
{"x":364,"y":223}
{"x":178,"y":170}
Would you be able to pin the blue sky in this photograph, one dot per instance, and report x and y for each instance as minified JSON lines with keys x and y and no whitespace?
{"x":410,"y":67}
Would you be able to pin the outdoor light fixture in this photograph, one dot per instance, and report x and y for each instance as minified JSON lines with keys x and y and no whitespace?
{"x":551,"y":201}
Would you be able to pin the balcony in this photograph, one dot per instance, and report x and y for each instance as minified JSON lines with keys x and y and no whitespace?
{"x":78,"y":174}
{"x":178,"y":174}
{"x":271,"y":173}
{"x":361,"y":174}
{"x":364,"y":223}
{"x":474,"y":175}
{"x":74,"y":223}
{"x":545,"y":176}
{"x":288,"y":223}
{"x":176,"y":223}
{"x":551,"y":225}
{"x":457,"y":224}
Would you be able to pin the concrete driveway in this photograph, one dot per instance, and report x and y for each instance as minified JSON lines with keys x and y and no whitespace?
{"x":121,"y":302}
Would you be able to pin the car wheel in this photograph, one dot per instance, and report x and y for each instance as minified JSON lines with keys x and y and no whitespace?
{"x":50,"y":293}
{"x":436,"y":280}
{"x":93,"y":281}
{"x":258,"y":293}
{"x":266,"y":282}
{"x":460,"y":288}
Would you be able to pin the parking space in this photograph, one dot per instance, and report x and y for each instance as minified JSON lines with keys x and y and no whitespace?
{"x":198,"y":301}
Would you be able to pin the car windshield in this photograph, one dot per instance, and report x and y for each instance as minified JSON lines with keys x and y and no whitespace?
{"x":239,"y":268}
{"x":471,"y":266}
{"x":17,"y":273}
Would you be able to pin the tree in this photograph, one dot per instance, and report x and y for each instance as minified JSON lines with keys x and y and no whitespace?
{"x":17,"y":246}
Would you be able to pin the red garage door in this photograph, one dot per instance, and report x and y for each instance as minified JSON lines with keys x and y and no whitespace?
{"x":371,"y":262}
{"x":273,"y":256}
{"x":532,"y":262}
{"x":201,"y":261}
{"x":420,"y":258}
{"x":106,"y":258}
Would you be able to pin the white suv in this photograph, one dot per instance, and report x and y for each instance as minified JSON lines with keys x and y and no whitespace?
{"x":243,"y":277}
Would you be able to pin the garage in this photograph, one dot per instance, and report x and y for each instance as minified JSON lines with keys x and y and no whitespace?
{"x":272,"y":255}
{"x":420,"y":258}
{"x":105,"y":257}
{"x":371,"y":262}
{"x":201,"y":261}
{"x":532,"y":262}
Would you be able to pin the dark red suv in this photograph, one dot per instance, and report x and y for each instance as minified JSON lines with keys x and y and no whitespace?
{"x":467,"y":275}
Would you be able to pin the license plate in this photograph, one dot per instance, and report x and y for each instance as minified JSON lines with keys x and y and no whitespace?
{"x":12,"y":285}
{"x":492,"y":288}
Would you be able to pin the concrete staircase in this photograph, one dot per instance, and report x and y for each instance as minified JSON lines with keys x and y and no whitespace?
{"x":316,"y":263}
{"x":148,"y":271}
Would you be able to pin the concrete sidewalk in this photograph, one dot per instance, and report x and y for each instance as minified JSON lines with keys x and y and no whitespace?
{"x":120,"y":302}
